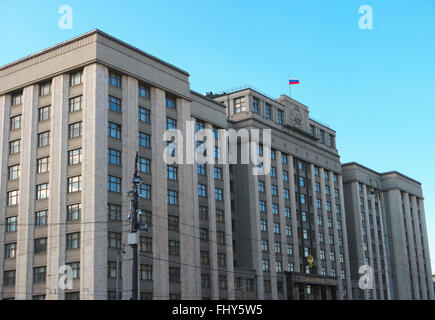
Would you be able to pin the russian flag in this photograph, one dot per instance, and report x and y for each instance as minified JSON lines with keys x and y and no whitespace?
{"x":293,"y":81}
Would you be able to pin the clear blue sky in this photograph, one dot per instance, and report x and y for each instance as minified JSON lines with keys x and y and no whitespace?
{"x":376,"y":88}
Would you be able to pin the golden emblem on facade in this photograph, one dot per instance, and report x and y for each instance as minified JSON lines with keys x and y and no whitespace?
{"x":310,"y":260}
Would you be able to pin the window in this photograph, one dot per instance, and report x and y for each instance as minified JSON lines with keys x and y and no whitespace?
{"x":264,"y":245}
{"x":173,"y":223}
{"x":240,"y":105}
{"x":41,"y":218}
{"x":277,"y":247}
{"x":330,"y":140}
{"x":302,"y":181}
{"x":274,"y":190}
{"x":279,"y":116}
{"x":321,"y":237}
{"x":219,"y":194}
{"x":74,"y":156}
{"x":114,"y":157}
{"x":220,"y":237}
{"x":40,"y":246}
{"x":285,"y":175}
{"x":265,"y":264}
{"x":268,"y":111}
{"x":171,"y":124}
{"x":260,"y":186}
{"x":74,"y":184}
{"x":114,"y":104}
{"x":145,"y":191}
{"x":316,"y":171}
{"x":276,"y":228}
{"x":273,"y":172}
{"x":218,"y":173}
{"x":312,"y":130}
{"x":10,"y":250}
{"x":174,"y":274}
{"x":322,"y":254}
{"x":43,"y":139}
{"x":205,"y":281}
{"x":278,"y":268}
{"x":9,"y":278}
{"x":144,"y":91}
{"x":222,"y":282}
{"x":14,"y":172}
{"x":146,"y":244}
{"x":144,"y":115}
{"x":337,"y":209}
{"x":44,"y":113}
{"x":172,"y":197}
{"x":302,"y":198}
{"x":17,"y":99}
{"x":336,"y":193}
{"x":262,"y":206}
{"x":305,"y":234}
{"x":204,"y":257}
{"x":144,"y":165}
{"x":304,"y":216}
{"x":39,"y":274}
{"x":203,"y":234}
{"x":75,"y":78}
{"x":72,"y":241}
{"x":146,"y":272}
{"x":320,"y":220}
{"x":14,"y":147}
{"x":286,"y":193}
{"x":288,"y":230}
{"x":329,"y":223}
{"x":318,"y":204}
{"x":11,"y":224}
{"x":287,"y":213}
{"x":16,"y":122}
{"x":174,"y":247}
{"x":289,"y":249}
{"x":114,"y":184}
{"x":170,"y":102}
{"x":328,"y":206}
{"x":275,"y":210}
{"x":44,"y":88}
{"x":326,"y":175}
{"x":73,"y":212}
{"x":201,"y":169}
{"x":114,"y":240}
{"x":75,"y":268}
{"x":317,"y":186}
{"x":75,"y":130}
{"x":42,"y":191}
{"x":75,"y":104}
{"x":255,"y":103}
{"x":331,"y":239}
{"x":171,"y":172}
{"x":202,"y":190}
{"x":42,"y":165}
{"x":114,"y":211}
{"x":300,"y":165}
{"x":263,"y":225}
{"x":13,"y":197}
{"x":114,"y":130}
{"x":114,"y":79}
{"x":203,"y":214}
{"x":322,"y":136}
{"x":144,"y":140}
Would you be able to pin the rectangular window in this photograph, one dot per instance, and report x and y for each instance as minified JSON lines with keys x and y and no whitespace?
{"x":276,"y":228}
{"x":218,"y":173}
{"x":74,"y":156}
{"x":41,"y":218}
{"x":144,"y":91}
{"x":219,"y":194}
{"x":144,"y":115}
{"x":144,"y":165}
{"x":171,"y":172}
{"x":145,"y":191}
{"x":75,"y":104}
{"x":114,"y":79}
{"x":203,"y":214}
{"x":174,"y":247}
{"x":204,"y":257}
{"x":111,"y":269}
{"x":114,"y":211}
{"x":279,"y":116}
{"x":42,"y":165}
{"x":14,"y":147}
{"x":114,"y":130}
{"x":74,"y":184}
{"x":174,"y":275}
{"x":170,"y":102}
{"x":44,"y":88}
{"x":9,"y":278}
{"x":260,"y":186}
{"x":171,"y":124}
{"x":75,"y":268}
{"x":201,"y":169}
{"x":262,"y":206}
{"x":255,"y":103}
{"x":146,"y":244}
{"x":263,"y":225}
{"x":146,"y":272}
{"x":72,"y":240}
{"x":43,"y":139}
{"x":17,"y":99}
{"x":11,"y":224}
{"x":14,"y":172}
{"x":114,"y":157}
{"x":10,"y":250}
{"x":220,"y":216}
{"x":113,"y":184}
{"x":42,"y":191}
{"x":240,"y":105}
{"x":268,"y":111}
{"x":15,"y":122}
{"x":144,"y":140}
{"x":13,"y":197}
{"x":73,"y":212}
{"x":220,"y":237}
{"x":114,"y":240}
{"x":75,"y":130}
{"x":205,"y":281}
{"x":173,"y":223}
{"x":44,"y":113}
{"x":114,"y":104}
{"x":172,"y":197}
{"x":39,"y":274}
{"x":40,"y":246}
{"x":75,"y":78}
{"x":202,"y":190}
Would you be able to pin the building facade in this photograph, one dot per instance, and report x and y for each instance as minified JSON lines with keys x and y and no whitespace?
{"x":386,"y":221}
{"x":73,"y":118}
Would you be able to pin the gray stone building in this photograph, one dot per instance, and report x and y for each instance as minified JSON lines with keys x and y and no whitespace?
{"x":387,"y":227}
{"x":72,"y":119}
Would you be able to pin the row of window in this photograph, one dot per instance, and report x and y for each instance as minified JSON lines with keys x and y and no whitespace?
{"x":240,"y":105}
